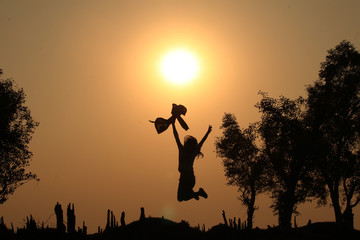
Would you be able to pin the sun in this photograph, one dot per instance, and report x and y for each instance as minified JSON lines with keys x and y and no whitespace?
{"x":179,"y":66}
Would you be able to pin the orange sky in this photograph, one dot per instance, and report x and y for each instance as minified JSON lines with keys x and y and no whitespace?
{"x":90,"y":72}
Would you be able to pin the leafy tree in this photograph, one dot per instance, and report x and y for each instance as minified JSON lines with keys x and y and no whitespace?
{"x":242,"y":161}
{"x":286,"y":145}
{"x":16,"y":128}
{"x":334,"y":113}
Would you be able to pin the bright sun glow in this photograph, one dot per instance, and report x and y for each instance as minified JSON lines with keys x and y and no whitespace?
{"x":179,"y":66}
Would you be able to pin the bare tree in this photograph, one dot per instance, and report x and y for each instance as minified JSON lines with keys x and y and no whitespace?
{"x":334,"y":114}
{"x":242,"y":161}
{"x":287,"y":148}
{"x":16,"y":129}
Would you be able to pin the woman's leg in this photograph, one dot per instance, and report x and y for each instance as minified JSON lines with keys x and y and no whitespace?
{"x":202,"y":193}
{"x":185,"y":188}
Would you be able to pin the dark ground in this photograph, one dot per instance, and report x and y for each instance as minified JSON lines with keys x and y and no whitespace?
{"x":159,"y":228}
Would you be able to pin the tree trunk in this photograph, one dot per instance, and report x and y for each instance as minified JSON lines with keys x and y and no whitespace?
{"x":286,"y":207}
{"x":348,"y":218}
{"x":251,"y":208}
{"x":285,"y":215}
{"x":334,"y":195}
{"x":250,"y":215}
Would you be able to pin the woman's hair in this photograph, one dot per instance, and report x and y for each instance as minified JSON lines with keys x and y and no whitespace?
{"x":191,"y":144}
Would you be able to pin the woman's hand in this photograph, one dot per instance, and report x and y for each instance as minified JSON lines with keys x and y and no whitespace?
{"x":205,"y":137}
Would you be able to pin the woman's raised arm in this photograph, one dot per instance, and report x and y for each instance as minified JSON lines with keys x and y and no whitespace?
{"x":205,"y":137}
{"x":176,"y":135}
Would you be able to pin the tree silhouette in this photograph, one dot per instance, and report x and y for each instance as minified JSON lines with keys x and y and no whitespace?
{"x":242,"y":161}
{"x":16,"y":128}
{"x":286,"y":145}
{"x":334,"y":113}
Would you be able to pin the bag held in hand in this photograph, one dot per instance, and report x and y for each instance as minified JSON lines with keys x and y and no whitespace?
{"x":162,"y":124}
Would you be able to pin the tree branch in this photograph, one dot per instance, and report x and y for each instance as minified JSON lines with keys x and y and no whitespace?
{"x":356,"y":202}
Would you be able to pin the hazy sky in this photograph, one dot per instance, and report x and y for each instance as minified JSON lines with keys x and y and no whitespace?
{"x":90,"y":72}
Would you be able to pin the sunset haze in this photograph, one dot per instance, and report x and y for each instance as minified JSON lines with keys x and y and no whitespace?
{"x":90,"y":71}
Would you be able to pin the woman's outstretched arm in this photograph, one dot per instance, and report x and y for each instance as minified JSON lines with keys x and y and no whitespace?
{"x":176,"y":135}
{"x":205,"y":137}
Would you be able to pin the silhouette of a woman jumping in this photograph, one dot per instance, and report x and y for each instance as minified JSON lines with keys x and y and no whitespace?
{"x":187,"y":154}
